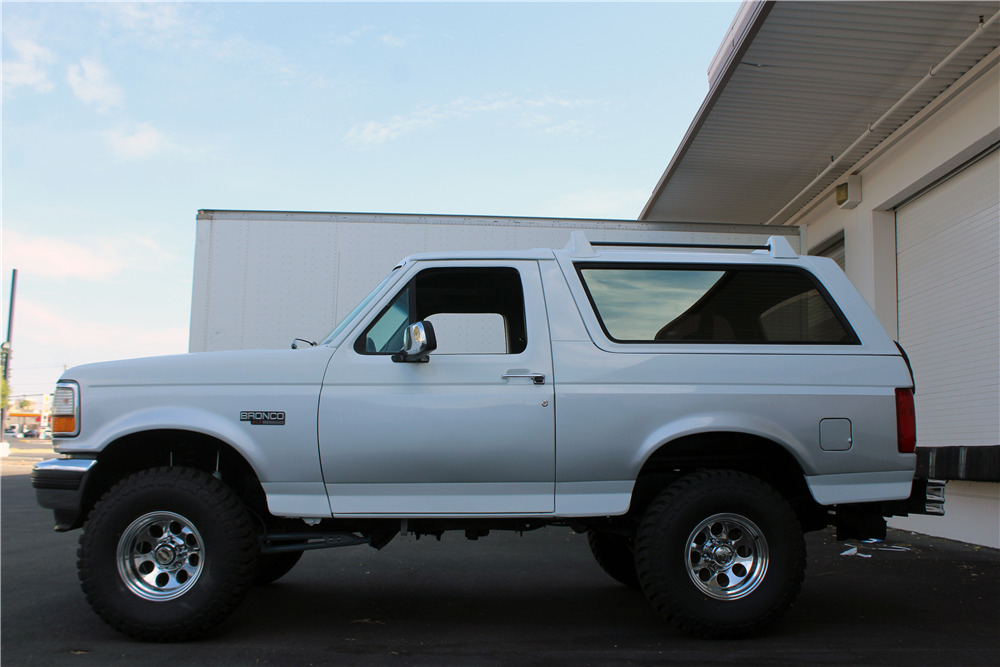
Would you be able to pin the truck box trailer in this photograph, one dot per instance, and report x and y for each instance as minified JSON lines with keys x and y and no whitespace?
{"x":263,"y":278}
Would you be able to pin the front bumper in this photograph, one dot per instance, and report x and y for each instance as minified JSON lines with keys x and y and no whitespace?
{"x":59,"y":486}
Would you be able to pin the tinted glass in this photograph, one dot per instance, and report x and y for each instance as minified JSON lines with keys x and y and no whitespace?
{"x":712,"y":305}
{"x":474,"y":310}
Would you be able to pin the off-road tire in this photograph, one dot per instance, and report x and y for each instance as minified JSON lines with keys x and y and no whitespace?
{"x":167,"y":554}
{"x":616,"y":556}
{"x":720,"y":554}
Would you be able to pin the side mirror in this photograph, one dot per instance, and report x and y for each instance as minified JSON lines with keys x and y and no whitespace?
{"x":418,"y":343}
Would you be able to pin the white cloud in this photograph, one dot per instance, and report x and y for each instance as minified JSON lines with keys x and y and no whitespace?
{"x":140,"y":141}
{"x":348,"y":39}
{"x":527,"y":113}
{"x":392,"y":41}
{"x":30,"y":69}
{"x":50,"y":337}
{"x":92,"y":85}
{"x":84,"y":299}
{"x":373,"y":132}
{"x":370,"y":34}
{"x":97,"y":260}
{"x":552,"y":124}
{"x":100,"y":340}
{"x":145,"y":16}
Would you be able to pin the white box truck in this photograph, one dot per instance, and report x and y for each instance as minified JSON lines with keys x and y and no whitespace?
{"x":262,"y":278}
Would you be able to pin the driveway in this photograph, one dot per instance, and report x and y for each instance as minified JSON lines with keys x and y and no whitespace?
{"x":508,"y":600}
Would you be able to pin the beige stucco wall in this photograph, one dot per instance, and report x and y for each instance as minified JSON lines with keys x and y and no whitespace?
{"x":931,"y":146}
{"x":924,"y":151}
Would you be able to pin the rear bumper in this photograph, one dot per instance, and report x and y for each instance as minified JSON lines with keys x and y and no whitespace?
{"x":927,"y":497}
{"x":59,"y":486}
{"x":860,"y":487}
{"x":867,"y":520}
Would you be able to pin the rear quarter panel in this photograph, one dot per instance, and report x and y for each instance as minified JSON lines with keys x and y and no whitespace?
{"x":617,"y":404}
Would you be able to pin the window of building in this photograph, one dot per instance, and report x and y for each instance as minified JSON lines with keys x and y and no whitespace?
{"x":835,"y":249}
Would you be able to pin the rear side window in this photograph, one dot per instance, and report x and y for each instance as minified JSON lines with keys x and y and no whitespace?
{"x":713,"y":304}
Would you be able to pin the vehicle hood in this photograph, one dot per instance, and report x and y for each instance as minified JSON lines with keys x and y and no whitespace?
{"x":240,"y":367}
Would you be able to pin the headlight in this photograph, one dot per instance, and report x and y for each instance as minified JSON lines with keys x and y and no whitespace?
{"x":66,"y":410}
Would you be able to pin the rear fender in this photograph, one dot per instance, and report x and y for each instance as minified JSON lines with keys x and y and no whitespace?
{"x":705,"y":424}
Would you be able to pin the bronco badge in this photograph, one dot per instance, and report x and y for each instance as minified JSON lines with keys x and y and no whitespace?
{"x":263,"y":418}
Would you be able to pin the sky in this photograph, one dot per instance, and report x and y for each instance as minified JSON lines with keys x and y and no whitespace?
{"x":121,"y":120}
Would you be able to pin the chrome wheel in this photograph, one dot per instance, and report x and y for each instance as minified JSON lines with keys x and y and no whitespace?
{"x":160,"y":556}
{"x":167,"y":554}
{"x":720,"y":554}
{"x":726,"y":556}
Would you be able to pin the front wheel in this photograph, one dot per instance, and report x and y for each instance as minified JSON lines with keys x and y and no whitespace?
{"x":720,"y":554}
{"x":167,"y":554}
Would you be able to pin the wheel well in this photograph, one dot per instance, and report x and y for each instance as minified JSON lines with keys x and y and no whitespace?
{"x":172,"y":447}
{"x":754,"y":455}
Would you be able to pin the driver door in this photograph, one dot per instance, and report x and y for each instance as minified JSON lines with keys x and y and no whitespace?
{"x":469,"y":431}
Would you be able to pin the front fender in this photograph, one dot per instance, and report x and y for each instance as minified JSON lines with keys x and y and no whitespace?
{"x":196,"y":420}
{"x":277,"y":453}
{"x":285,"y":457}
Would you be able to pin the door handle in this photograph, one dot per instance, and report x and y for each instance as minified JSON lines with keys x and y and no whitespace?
{"x":537,"y":378}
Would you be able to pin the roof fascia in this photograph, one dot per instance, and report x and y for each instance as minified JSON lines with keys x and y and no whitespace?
{"x":985,"y":144}
{"x":755,"y":18}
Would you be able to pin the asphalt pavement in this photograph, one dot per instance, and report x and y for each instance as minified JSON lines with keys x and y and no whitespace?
{"x":505,"y":600}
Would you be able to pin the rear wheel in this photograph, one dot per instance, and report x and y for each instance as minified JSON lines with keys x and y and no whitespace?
{"x":720,"y":554}
{"x":167,"y":554}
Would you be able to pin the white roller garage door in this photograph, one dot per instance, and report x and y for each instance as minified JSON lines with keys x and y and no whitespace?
{"x":948,"y":254}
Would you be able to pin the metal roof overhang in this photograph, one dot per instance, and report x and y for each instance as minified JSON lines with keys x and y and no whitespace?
{"x":804,"y":92}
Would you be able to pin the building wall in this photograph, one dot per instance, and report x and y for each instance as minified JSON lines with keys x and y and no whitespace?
{"x":926,"y":151}
{"x":950,"y":133}
{"x":971,"y":515}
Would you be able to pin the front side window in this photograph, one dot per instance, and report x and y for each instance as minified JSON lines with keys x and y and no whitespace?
{"x":358,"y":309}
{"x":474,"y":310}
{"x":712,"y":304}
{"x":385,"y":336}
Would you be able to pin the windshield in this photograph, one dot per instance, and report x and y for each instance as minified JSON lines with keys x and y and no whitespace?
{"x":361,"y":306}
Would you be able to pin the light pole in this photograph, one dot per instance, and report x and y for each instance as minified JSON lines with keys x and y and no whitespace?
{"x":6,"y":352}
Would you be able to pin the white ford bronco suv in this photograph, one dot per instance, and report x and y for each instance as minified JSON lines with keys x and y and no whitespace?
{"x":694,"y":411}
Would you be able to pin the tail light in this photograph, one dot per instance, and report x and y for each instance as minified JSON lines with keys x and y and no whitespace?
{"x":906,"y":422}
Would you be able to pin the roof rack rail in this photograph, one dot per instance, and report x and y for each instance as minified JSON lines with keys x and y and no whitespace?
{"x":776,"y":246}
{"x":728,"y":246}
